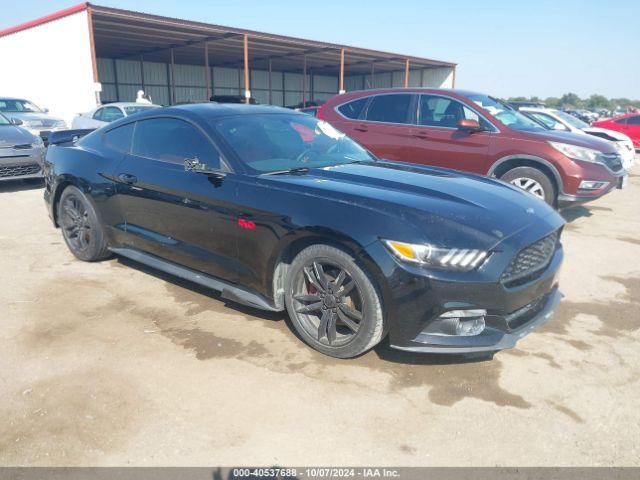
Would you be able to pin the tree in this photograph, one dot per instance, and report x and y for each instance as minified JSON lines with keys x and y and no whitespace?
{"x":552,"y":102}
{"x":598,"y":101}
{"x":570,"y":100}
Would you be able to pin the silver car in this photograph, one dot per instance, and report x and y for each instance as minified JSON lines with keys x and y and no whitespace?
{"x":31,"y":117}
{"x":21,"y":152}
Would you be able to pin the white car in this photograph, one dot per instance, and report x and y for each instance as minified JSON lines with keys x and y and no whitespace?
{"x":559,"y":120}
{"x":106,"y":114}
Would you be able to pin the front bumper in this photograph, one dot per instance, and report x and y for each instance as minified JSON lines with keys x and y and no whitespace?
{"x":21,"y":167}
{"x":584,"y":171}
{"x":415,"y":298}
{"x":491,"y":339}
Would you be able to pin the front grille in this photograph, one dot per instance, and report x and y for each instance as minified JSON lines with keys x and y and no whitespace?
{"x":530,"y":261}
{"x":19,"y":170}
{"x":613,"y":161}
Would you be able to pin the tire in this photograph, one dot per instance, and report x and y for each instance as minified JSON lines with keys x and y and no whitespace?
{"x":81,"y":229}
{"x":333,"y":303}
{"x":533,"y":181}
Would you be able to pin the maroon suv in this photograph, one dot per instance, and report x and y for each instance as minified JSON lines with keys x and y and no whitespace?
{"x":477,"y":133}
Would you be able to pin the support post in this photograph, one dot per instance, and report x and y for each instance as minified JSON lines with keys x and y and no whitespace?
{"x":207,"y":71}
{"x":173,"y":78}
{"x":270,"y":91}
{"x":453,"y":80}
{"x":372,"y":82}
{"x":144,"y":88}
{"x":341,"y":71}
{"x":304,"y":81}
{"x":406,"y":73}
{"x":247,"y":90}
{"x":94,"y":62}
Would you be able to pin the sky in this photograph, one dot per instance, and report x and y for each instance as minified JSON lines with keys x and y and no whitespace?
{"x":505,"y":48}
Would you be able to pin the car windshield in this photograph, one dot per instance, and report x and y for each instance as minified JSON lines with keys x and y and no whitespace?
{"x":570,"y":119}
{"x":4,"y":120}
{"x":11,"y":105}
{"x":137,"y":108}
{"x":506,"y":114}
{"x":275,"y":142}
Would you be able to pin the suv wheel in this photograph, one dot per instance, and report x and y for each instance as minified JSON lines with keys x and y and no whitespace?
{"x":333,"y":303}
{"x":533,"y":181}
{"x":80,"y":226}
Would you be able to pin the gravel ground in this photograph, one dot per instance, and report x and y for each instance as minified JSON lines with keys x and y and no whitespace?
{"x":113,"y":364}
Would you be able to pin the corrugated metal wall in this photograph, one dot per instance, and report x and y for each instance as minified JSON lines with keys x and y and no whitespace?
{"x":121,"y":79}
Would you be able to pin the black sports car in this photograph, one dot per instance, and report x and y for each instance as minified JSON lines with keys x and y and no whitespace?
{"x":277,"y":209}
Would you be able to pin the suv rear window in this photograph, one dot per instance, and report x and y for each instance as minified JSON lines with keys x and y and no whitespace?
{"x":353,"y":109}
{"x":392,"y":108}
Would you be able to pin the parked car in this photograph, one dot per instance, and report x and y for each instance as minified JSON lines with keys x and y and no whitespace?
{"x":526,"y":103}
{"x":628,"y":124}
{"x":232,"y":99}
{"x":105,"y":114}
{"x":279,"y":210}
{"x":313,"y":111}
{"x":21,"y":152}
{"x":29,"y":116}
{"x":477,"y":133}
{"x":559,"y":120}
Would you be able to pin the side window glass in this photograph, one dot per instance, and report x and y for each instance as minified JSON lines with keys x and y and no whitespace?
{"x":548,"y":121}
{"x":111,"y":114}
{"x":119,"y":139}
{"x":622,"y":121}
{"x":389,"y":108}
{"x":174,"y":141}
{"x":98,"y":114}
{"x":440,"y":111}
{"x":353,"y":109}
{"x":633,"y":121}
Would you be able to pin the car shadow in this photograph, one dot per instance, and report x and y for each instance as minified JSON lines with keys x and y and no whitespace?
{"x":9,"y":186}
{"x":383,"y":350}
{"x":571,"y":214}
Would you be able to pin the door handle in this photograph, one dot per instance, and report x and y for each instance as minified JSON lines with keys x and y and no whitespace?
{"x":420,"y":135}
{"x":362,"y":128}
{"x":128,"y":178}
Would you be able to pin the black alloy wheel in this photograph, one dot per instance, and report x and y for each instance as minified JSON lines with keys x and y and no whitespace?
{"x":332,"y":302}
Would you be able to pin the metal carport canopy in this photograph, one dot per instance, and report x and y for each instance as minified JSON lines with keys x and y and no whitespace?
{"x":124,"y":34}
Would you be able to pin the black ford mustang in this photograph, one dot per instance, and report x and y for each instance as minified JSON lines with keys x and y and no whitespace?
{"x":278,"y":210}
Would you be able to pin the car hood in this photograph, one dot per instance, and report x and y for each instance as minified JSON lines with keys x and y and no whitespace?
{"x":481,"y":210}
{"x":36,"y":118}
{"x":587,"y":141}
{"x":11,"y":135}
{"x":620,"y":137}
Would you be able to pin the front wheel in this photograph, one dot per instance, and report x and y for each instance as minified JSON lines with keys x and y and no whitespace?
{"x":333,"y":303}
{"x":533,"y":181}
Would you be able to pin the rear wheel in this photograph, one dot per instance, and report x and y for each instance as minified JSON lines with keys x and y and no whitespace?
{"x":533,"y":181}
{"x":333,"y":303}
{"x":80,"y":226}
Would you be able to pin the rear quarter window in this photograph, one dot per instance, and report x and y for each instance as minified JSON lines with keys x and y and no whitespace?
{"x":353,"y":109}
{"x":119,"y":139}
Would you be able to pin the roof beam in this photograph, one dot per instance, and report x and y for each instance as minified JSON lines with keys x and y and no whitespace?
{"x":179,"y":45}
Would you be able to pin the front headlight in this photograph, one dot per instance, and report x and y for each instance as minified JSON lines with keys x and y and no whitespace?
{"x":447,"y":258}
{"x":60,"y":124}
{"x":577,"y":153}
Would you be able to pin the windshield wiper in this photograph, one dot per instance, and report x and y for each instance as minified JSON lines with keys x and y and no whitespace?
{"x":290,"y":171}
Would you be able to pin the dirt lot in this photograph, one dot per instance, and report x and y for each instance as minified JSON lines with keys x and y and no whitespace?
{"x":112,"y":364}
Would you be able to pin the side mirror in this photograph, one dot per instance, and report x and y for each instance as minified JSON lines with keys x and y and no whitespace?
{"x":470,"y":126}
{"x":16,"y":121}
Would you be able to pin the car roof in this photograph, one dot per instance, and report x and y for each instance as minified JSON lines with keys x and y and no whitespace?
{"x":15,"y":98}
{"x":128,"y":104}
